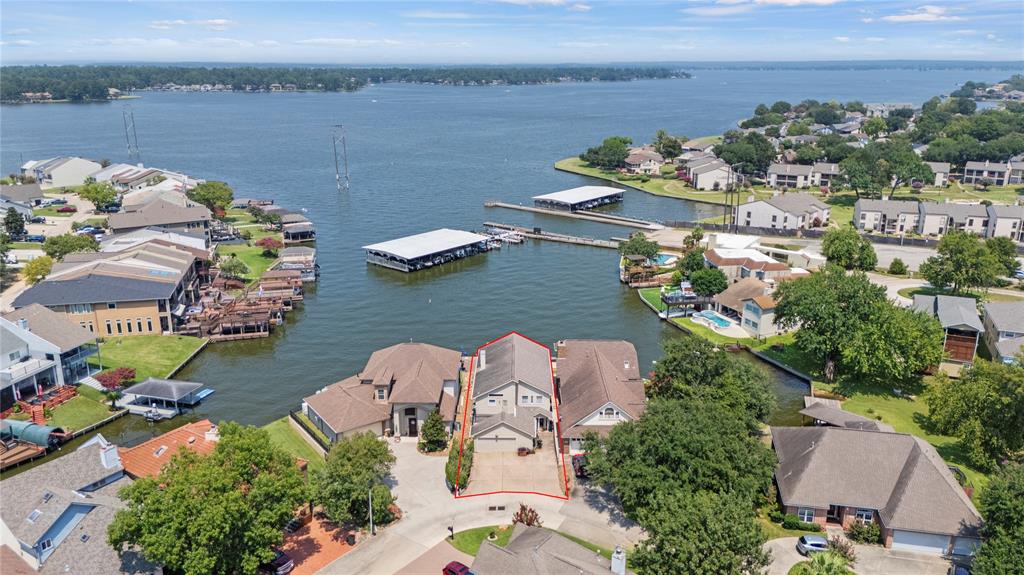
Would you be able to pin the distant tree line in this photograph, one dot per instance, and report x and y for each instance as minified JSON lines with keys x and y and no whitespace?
{"x":80,"y":83}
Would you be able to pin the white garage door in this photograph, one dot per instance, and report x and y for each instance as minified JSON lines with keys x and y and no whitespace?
{"x":495,"y":444}
{"x":920,"y":542}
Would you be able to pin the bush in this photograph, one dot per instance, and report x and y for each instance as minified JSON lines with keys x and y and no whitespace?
{"x":113,"y":379}
{"x":433,"y":437}
{"x":842,"y":547}
{"x":527,"y":516}
{"x":790,"y":521}
{"x":452,"y":466}
{"x":897,"y":267}
{"x":864,"y":532}
{"x":775,"y":516}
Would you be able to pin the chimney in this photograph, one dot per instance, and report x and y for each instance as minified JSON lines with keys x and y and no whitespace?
{"x":212,"y":435}
{"x":23,"y":324}
{"x":619,"y":561}
{"x":482,"y":360}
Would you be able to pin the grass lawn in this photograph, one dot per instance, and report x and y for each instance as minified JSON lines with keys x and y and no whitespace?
{"x":653,"y":297}
{"x":469,"y":541}
{"x":76,"y":413}
{"x":283,"y":435}
{"x":150,"y":355}
{"x":313,"y":429}
{"x":51,"y":212}
{"x":236,"y":216}
{"x":96,"y":222}
{"x":776,"y":531}
{"x":252,"y":255}
{"x":26,"y":246}
{"x":982,"y":296}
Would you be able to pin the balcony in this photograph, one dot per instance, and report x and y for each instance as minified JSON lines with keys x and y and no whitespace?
{"x":25,"y":369}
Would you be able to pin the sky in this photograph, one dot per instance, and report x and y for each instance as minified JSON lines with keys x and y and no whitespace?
{"x":509,"y":31}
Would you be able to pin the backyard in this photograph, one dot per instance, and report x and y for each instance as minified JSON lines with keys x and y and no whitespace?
{"x":151,"y":355}
{"x":251,"y":254}
{"x":287,"y":438}
{"x":81,"y":411}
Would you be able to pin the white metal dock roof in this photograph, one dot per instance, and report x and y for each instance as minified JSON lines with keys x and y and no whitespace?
{"x":419,"y":245}
{"x":580,"y":194}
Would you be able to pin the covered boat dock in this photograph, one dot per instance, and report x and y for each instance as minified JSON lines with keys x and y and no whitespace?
{"x":157,"y":399}
{"x":425,"y":250}
{"x":581,"y":198}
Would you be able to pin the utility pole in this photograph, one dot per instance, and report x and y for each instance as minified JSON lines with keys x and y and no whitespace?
{"x":341,"y":179}
{"x":131,"y":136}
{"x":371,"y":508}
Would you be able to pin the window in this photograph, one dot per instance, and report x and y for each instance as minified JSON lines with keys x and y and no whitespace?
{"x":608,"y":413}
{"x":149,"y":324}
{"x":14,"y":355}
{"x":109,"y":331}
{"x":806,"y":514}
{"x":45,"y":544}
{"x":138,"y":323}
{"x":492,"y":399}
{"x":380,"y":394}
{"x":80,"y":308}
{"x":526,"y":399}
{"x":866,"y":516}
{"x":112,"y":305}
{"x":128,"y":323}
{"x":119,"y":332}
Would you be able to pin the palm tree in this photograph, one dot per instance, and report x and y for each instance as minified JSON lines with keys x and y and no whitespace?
{"x":827,"y":563}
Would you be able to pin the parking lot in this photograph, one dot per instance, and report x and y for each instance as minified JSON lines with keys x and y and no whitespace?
{"x":539,"y":472}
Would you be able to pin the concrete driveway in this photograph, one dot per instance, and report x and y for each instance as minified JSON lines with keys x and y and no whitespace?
{"x":871,"y":560}
{"x":784,"y":555}
{"x":505,"y":471}
{"x":58,"y":225}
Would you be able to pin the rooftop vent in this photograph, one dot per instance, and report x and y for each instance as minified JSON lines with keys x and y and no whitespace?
{"x":47,"y":496}
{"x":160,"y":451}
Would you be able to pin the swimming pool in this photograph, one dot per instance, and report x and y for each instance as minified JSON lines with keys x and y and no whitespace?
{"x":664,"y":259}
{"x":715,"y":318}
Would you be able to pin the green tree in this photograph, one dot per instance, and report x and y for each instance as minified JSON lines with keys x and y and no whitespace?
{"x":874,"y":126}
{"x":984,"y":407}
{"x":692,"y":262}
{"x":667,"y":145}
{"x":962,"y":262}
{"x":900,"y":165}
{"x":693,"y":369}
{"x":897,"y":267}
{"x":751,"y":151}
{"x":456,"y":469}
{"x":1004,"y":250}
{"x":354,"y":465}
{"x":1001,"y":504}
{"x":701,"y":533}
{"x":781,"y":107}
{"x":859,"y":173}
{"x":827,"y":563}
{"x":37,"y":268}
{"x":216,"y":196}
{"x":99,"y":193}
{"x":610,"y":154}
{"x":433,"y":437}
{"x":692,"y":241}
{"x":59,"y":246}
{"x":708,"y":282}
{"x":798,"y":129}
{"x":761,"y":110}
{"x":14,"y":223}
{"x":680,"y":446}
{"x":897,"y":346}
{"x":234,"y":268}
{"x":639,"y":245}
{"x":217,"y":514}
{"x":845,"y":247}
{"x":829,"y":307}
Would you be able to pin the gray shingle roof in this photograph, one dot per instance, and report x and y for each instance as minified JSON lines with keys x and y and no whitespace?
{"x":169,"y":389}
{"x":954,"y":210}
{"x":535,"y":550}
{"x":841,"y":418}
{"x":891,"y":208}
{"x":951,"y":311}
{"x":897,"y":474}
{"x":1006,"y":315}
{"x":797,"y":203}
{"x":522,"y":420}
{"x":789,"y":169}
{"x":52,"y":326}
{"x":94,"y":288}
{"x":1004,"y":211}
{"x":158,"y":213}
{"x":512,"y":358}
{"x":21,"y":192}
{"x":938,"y":167}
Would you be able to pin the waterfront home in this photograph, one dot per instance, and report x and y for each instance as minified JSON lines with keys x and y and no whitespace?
{"x":995,"y":173}
{"x":936,"y":219}
{"x":25,"y":211}
{"x":599,"y":385}
{"x":838,"y":476}
{"x":537,"y":550}
{"x":730,"y":301}
{"x":941,"y":172}
{"x":166,"y":191}
{"x":758,"y":317}
{"x":792,"y":211}
{"x":714,"y":175}
{"x":60,"y":172}
{"x":789,"y":176}
{"x":396,"y":391}
{"x":157,"y":399}
{"x":643,"y":161}
{"x":738,"y":264}
{"x":960,"y":322}
{"x":883,"y":110}
{"x":1006,"y":222}
{"x":829,"y":412}
{"x":42,"y":350}
{"x":148,"y":458}
{"x":698,"y":146}
{"x":1004,"y":329}
{"x":25,"y":194}
{"x":886,"y":216}
{"x":1016,"y":171}
{"x":175,"y":218}
{"x":511,"y":391}
{"x":141,"y":290}
{"x":127,"y":240}
{"x":581,"y":198}
{"x":55,"y":516}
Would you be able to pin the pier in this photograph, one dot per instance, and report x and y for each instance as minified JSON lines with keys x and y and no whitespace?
{"x":538,"y":234}
{"x":581,"y":215}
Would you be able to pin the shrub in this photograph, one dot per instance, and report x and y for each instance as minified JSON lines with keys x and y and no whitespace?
{"x":433,"y":437}
{"x":452,"y":466}
{"x":775,"y":516}
{"x":897,"y":267}
{"x":864,"y":532}
{"x":790,"y":521}
{"x":113,"y":379}
{"x":270,"y":245}
{"x":842,"y":547}
{"x":527,"y":516}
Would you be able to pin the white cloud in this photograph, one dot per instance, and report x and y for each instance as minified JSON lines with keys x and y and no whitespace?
{"x":435,"y":15}
{"x":269,"y":43}
{"x":874,"y":39}
{"x":166,"y":24}
{"x":719,"y":10}
{"x":347,"y":42}
{"x":587,"y":45}
{"x":19,"y":32}
{"x":218,"y":24}
{"x":990,"y":36}
{"x":580,"y":7}
{"x":967,"y":32}
{"x":867,"y":20}
{"x":926,"y":13}
{"x":841,"y":38}
{"x":21,"y":43}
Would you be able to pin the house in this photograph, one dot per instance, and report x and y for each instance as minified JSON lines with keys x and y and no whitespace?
{"x":959,"y":319}
{"x":127,"y":240}
{"x":148,"y":458}
{"x":883,"y":110}
{"x":396,"y":391}
{"x":167,"y":191}
{"x":644,"y":161}
{"x":995,"y":173}
{"x":60,"y":172}
{"x":886,"y":216}
{"x":25,"y":211}
{"x":1004,"y":329}
{"x":730,"y":301}
{"x":738,"y":264}
{"x":941,"y":171}
{"x":141,"y":290}
{"x":935,"y":219}
{"x":793,"y":211}
{"x":758,"y":316}
{"x":829,"y":412}
{"x":512,"y":390}
{"x":180,"y":219}
{"x":838,"y":476}
{"x":25,"y":194}
{"x":42,"y":349}
{"x":1016,"y":172}
{"x":598,"y":385}
{"x":698,"y":146}
{"x":55,"y":516}
{"x":825,"y":174}
{"x":537,"y":550}
{"x":789,"y":176}
{"x":1005,"y":221}
{"x":713,"y":175}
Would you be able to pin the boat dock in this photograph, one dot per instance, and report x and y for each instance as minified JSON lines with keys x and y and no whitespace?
{"x":428,"y":249}
{"x":538,"y":234}
{"x":581,"y":215}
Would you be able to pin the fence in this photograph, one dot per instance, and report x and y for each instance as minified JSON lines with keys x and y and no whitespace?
{"x":309,"y":429}
{"x":750,"y":230}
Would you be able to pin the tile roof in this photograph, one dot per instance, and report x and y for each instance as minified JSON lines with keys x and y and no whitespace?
{"x":347,"y":405}
{"x":1006,"y":315}
{"x":535,"y":550}
{"x":899,"y":475}
{"x":593,"y":373}
{"x":414,"y":372}
{"x":148,"y":458}
{"x":952,"y":312}
{"x":512,"y":358}
{"x":52,"y":326}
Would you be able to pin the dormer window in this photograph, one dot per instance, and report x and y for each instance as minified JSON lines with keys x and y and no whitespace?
{"x":381,"y":393}
{"x":34,"y":515}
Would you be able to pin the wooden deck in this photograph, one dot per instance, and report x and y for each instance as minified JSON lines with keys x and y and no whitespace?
{"x":553,"y":237}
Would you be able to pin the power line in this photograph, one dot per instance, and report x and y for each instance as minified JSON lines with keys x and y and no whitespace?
{"x":131,"y":137}
{"x":341,"y":178}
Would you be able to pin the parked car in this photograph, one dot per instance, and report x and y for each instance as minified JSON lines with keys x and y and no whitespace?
{"x":67,"y":210}
{"x":281,"y":564}
{"x":808,"y":544}
{"x":579,"y":465}
{"x":11,"y":259}
{"x":1019,"y":274}
{"x":40,"y":238}
{"x":456,"y":568}
{"x":524,"y":451}
{"x":37,"y":220}
{"x":294,"y":525}
{"x":959,"y":569}
{"x":109,"y":209}
{"x":58,"y":202}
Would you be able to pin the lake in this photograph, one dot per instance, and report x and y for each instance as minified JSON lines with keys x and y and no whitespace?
{"x":425,"y":157}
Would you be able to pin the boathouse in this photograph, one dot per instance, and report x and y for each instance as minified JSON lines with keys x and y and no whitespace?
{"x":419,"y":251}
{"x":581,"y":198}
{"x":157,"y":399}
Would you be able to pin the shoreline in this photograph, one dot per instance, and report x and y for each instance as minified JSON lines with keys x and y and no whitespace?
{"x":566,"y":165}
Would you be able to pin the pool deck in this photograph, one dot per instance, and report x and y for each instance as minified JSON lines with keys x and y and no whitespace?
{"x":733,"y":330}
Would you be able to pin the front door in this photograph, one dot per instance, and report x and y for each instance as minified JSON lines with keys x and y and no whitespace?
{"x":412,"y":427}
{"x":834,"y":513}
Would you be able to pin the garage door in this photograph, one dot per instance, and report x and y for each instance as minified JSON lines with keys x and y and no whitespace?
{"x":495,"y":444}
{"x":920,"y":542}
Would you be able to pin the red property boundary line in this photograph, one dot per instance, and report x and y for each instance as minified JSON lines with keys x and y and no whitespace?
{"x":558,"y":425}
